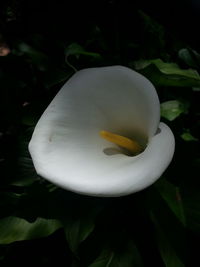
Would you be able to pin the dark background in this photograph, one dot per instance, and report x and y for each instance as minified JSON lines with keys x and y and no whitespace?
{"x":31,"y":76}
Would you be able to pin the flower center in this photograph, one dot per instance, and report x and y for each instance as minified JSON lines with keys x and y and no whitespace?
{"x":129,"y":144}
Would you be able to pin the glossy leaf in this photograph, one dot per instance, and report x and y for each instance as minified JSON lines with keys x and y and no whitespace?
{"x":77,"y":230}
{"x":167,"y":251}
{"x":17,"y":229}
{"x":167,"y":74}
{"x":172,"y":109}
{"x":127,"y":257}
{"x":80,"y":221}
{"x":171,"y":195}
{"x":167,"y":68}
{"x":190,"y":57}
{"x":168,"y":224}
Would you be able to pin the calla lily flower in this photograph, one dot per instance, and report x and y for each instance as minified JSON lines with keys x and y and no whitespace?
{"x":67,"y":147}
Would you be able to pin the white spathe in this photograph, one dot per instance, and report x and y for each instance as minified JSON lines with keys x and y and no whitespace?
{"x":67,"y":149}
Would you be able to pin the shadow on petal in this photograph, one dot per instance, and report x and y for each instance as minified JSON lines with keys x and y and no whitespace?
{"x":111,"y":151}
{"x":158,"y":131}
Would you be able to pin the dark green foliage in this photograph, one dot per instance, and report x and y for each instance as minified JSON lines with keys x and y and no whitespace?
{"x":42,"y":225}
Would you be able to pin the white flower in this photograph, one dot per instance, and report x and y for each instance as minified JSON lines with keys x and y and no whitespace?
{"x":66,"y":146}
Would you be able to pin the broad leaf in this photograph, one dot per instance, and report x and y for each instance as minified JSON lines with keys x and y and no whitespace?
{"x":167,"y":74}
{"x":170,"y":230}
{"x":167,"y":251}
{"x":127,"y":257}
{"x":167,"y":68}
{"x":172,"y":109}
{"x":16,"y":229}
{"x":80,"y":220}
{"x":77,"y":230}
{"x":171,"y":195}
{"x":190,"y":57}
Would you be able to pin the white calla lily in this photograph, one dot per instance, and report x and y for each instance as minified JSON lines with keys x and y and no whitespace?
{"x":66,"y":146}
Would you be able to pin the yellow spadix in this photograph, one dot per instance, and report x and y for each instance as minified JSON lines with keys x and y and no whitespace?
{"x":124,"y":142}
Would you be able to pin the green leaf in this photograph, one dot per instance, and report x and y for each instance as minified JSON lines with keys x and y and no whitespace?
{"x":80,"y":220}
{"x":77,"y":50}
{"x":167,"y":68}
{"x":17,"y":229}
{"x":170,"y":230}
{"x":190,"y":57}
{"x":105,"y":259}
{"x":167,"y":74}
{"x":196,"y":89}
{"x":172,"y":109}
{"x":167,"y":252}
{"x":77,"y":230}
{"x":171,"y":195}
{"x":127,"y":257}
{"x":187,"y":136}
